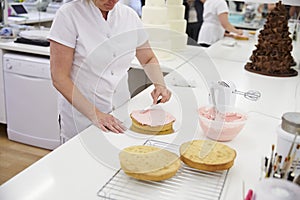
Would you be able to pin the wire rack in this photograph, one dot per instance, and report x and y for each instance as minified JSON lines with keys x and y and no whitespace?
{"x":188,"y":183}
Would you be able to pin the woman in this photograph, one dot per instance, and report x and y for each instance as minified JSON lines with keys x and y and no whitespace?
{"x":215,"y":22}
{"x":193,"y":15}
{"x":92,"y":44}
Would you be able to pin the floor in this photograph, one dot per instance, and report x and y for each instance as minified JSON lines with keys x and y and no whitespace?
{"x":14,"y":156}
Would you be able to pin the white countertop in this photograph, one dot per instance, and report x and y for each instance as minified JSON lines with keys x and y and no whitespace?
{"x":34,"y":49}
{"x":80,"y":167}
{"x":175,"y":60}
{"x":242,"y":50}
{"x":31,"y":18}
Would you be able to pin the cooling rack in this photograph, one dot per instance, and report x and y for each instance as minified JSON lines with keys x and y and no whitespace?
{"x":188,"y":183}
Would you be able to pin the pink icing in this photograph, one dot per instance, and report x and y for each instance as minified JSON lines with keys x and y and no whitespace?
{"x":217,"y":129}
{"x":153,"y":117}
{"x":210,"y":113}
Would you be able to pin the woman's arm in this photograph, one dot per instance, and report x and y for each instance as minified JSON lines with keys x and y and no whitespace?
{"x":61,"y":60}
{"x":148,"y":60}
{"x":223,"y":18}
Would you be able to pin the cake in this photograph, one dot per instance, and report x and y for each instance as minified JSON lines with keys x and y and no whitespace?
{"x":155,"y":20}
{"x":152,"y":121}
{"x":155,"y":12}
{"x":177,"y":24}
{"x":165,"y":25}
{"x":207,"y":155}
{"x":272,"y":55}
{"x":149,"y":163}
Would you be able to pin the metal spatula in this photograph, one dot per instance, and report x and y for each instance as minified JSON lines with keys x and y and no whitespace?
{"x":149,"y":107}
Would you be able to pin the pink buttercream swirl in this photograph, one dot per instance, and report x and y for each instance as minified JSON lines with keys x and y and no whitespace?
{"x":210,"y":113}
{"x":153,"y":117}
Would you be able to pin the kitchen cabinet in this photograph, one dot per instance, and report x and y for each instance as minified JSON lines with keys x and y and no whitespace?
{"x":2,"y":97}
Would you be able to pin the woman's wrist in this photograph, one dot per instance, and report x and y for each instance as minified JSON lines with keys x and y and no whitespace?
{"x":159,"y":85}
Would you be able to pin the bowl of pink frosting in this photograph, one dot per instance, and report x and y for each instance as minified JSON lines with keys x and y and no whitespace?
{"x":223,"y":124}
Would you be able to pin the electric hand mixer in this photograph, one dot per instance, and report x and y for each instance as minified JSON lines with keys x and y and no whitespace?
{"x":225,"y":93}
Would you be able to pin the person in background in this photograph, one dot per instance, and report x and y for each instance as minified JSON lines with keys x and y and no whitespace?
{"x":135,"y":5}
{"x":193,"y":15}
{"x":265,"y":8}
{"x":238,"y":6}
{"x":88,"y":90}
{"x":215,"y":22}
{"x":294,"y":12}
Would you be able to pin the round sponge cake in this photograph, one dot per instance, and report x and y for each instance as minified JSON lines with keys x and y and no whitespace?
{"x":207,"y":155}
{"x":149,"y":163}
{"x":152,"y":121}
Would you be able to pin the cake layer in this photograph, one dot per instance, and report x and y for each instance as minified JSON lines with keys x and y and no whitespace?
{"x":149,"y":163}
{"x":207,"y":155}
{"x":176,"y":12}
{"x":163,"y":54}
{"x":158,"y":3}
{"x":174,"y":2}
{"x":158,"y":32}
{"x":179,"y":41}
{"x":155,"y":15}
{"x":152,"y":117}
{"x":151,"y":130}
{"x":161,"y":46}
{"x":178,"y":25}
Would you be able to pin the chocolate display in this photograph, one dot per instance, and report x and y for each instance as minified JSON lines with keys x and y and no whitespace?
{"x":272,"y":55}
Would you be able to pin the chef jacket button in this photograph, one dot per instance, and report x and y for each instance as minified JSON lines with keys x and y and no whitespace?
{"x":113,"y":108}
{"x":114,"y":55}
{"x":111,"y":72}
{"x":108,"y":35}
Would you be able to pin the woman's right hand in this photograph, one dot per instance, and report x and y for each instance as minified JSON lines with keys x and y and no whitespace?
{"x":107,"y":122}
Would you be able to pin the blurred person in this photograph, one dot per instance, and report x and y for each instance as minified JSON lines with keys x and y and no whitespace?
{"x":135,"y":5}
{"x":238,"y":6}
{"x":294,"y":12}
{"x":194,"y":17}
{"x":265,"y":8}
{"x":215,"y":22}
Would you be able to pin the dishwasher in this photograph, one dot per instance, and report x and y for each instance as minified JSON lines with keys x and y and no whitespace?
{"x":31,"y":101}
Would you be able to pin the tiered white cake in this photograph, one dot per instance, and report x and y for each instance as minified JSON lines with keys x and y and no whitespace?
{"x":155,"y":19}
{"x":177,"y":24}
{"x":165,"y":25}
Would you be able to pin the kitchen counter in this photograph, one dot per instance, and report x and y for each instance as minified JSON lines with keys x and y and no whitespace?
{"x":32,"y":18}
{"x":80,"y":167}
{"x":241,"y":50}
{"x":11,"y":46}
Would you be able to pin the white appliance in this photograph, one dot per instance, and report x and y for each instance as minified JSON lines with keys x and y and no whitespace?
{"x":36,"y":5}
{"x":54,"y":5}
{"x":31,"y":101}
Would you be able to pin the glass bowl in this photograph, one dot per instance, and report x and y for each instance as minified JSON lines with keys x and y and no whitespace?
{"x":223,"y":125}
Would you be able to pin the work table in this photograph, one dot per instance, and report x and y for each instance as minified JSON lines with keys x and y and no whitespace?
{"x":81,"y":166}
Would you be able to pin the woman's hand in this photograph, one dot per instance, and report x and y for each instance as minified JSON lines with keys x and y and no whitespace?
{"x":239,"y":32}
{"x":160,"y":91}
{"x":107,"y":122}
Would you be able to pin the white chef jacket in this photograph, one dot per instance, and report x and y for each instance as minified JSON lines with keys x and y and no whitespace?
{"x":211,"y":29}
{"x":104,"y":50}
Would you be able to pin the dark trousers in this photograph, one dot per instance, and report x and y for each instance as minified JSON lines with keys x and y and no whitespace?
{"x":192,"y":30}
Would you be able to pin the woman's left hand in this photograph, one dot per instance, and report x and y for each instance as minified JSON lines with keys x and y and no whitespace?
{"x":161,"y":91}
